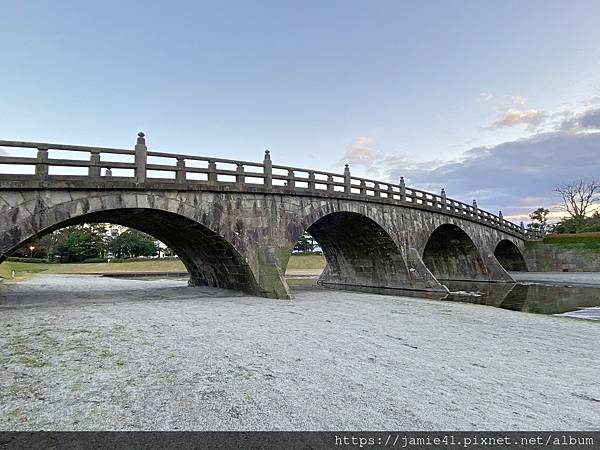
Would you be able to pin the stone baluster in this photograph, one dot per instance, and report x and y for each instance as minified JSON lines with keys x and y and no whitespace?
{"x":363,"y":187}
{"x":330,"y":186}
{"x":377,"y":190}
{"x":212,"y":172}
{"x":402,"y":190}
{"x":444,"y":198}
{"x":180,"y":176}
{"x":94,"y":168}
{"x":347,"y":180}
{"x":41,"y":165}
{"x":240,"y":178}
{"x":501,"y":218}
{"x":311,"y":181}
{"x":141,"y":158}
{"x":268,"y":170}
{"x":291,"y":184}
{"x":475,"y":210}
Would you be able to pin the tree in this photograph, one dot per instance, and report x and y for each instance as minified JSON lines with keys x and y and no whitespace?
{"x":578,"y":197}
{"x":133,"y":243}
{"x":539,"y":220}
{"x":306,"y":244}
{"x":78,"y":243}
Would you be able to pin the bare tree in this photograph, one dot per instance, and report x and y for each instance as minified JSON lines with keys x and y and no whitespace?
{"x":578,"y":197}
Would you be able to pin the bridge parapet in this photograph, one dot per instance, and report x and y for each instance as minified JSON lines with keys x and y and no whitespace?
{"x":54,"y":165}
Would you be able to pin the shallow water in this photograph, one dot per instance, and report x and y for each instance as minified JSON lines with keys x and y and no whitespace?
{"x":582,"y":302}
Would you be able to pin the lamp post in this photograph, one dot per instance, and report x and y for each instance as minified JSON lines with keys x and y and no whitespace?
{"x":31,"y":249}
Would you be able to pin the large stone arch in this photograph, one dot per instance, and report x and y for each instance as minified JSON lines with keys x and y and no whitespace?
{"x":509,"y":256}
{"x":451,"y":254}
{"x":209,"y":258}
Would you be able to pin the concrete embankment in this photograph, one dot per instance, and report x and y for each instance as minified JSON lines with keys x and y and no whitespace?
{"x":572,"y":253}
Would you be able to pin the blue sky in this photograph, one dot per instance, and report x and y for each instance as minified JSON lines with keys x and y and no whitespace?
{"x":472,"y":96}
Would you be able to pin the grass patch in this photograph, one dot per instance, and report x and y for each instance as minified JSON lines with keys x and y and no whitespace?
{"x":106,"y":353}
{"x":18,"y":414}
{"x":30,"y":361}
{"x":580,"y":240}
{"x":306,"y":262}
{"x":22,"y":270}
{"x":25,"y":269}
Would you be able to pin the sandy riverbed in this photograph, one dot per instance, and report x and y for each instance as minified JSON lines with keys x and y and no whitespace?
{"x":81,"y":352}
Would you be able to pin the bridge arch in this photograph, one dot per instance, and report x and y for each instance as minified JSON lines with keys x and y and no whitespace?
{"x":209,"y":258}
{"x":451,"y":254}
{"x":357,"y":249}
{"x":510,"y":257}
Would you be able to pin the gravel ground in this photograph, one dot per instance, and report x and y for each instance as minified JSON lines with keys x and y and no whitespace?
{"x":88,"y":353}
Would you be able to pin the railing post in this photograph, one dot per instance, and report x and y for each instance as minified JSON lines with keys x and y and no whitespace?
{"x":291,"y":184}
{"x":444,"y":198}
{"x":240,"y":178}
{"x":180,"y":176}
{"x":475,"y":209}
{"x":41,"y":166}
{"x":330,"y":186}
{"x":390,"y":192}
{"x":311,"y":181}
{"x":501,"y":217}
{"x":141,"y":158}
{"x":363,"y":187}
{"x":268,"y":170}
{"x":94,"y":169}
{"x":402,"y":190}
{"x":376,"y":190}
{"x":212,"y":172}
{"x":347,"y":180}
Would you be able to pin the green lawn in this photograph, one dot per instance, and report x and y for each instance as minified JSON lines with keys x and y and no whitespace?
{"x":23,"y":270}
{"x":579,"y":240}
{"x":298,"y":262}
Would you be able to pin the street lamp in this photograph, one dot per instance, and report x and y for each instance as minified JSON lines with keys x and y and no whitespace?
{"x":31,"y":249}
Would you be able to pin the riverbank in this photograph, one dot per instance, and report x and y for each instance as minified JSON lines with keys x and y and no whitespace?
{"x":98,"y":353}
{"x":298,"y":264}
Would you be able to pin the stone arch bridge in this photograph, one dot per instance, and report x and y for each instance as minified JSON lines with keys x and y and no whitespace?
{"x":234,"y":223}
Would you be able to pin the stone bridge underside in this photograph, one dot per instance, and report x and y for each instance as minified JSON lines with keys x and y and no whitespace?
{"x":242,"y":240}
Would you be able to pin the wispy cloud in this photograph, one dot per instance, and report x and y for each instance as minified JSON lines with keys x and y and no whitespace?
{"x":513,"y":111}
{"x":361,"y":152}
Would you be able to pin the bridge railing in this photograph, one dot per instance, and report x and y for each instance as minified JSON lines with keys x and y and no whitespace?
{"x":98,"y":164}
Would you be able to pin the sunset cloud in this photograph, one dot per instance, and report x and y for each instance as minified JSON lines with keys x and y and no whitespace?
{"x":533,"y":118}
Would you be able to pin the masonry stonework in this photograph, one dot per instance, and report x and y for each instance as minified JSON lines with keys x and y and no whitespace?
{"x":243,"y":240}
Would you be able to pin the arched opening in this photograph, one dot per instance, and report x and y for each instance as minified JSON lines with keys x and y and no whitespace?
{"x":510,"y":257}
{"x":450,"y":254}
{"x":207,"y":256}
{"x":358,"y":252}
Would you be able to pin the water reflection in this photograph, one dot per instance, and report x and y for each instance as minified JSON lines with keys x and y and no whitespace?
{"x":572,"y":301}
{"x":529,"y":297}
